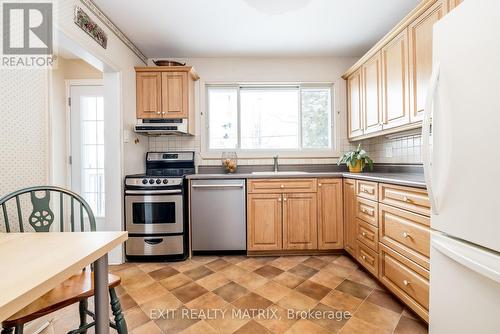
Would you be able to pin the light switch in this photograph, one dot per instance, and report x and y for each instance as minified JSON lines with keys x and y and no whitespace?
{"x":127,"y":136}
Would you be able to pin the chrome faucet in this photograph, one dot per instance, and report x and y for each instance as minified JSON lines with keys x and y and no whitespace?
{"x":275,"y":158}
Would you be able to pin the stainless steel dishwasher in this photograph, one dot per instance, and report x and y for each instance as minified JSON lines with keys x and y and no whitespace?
{"x":218,"y":215}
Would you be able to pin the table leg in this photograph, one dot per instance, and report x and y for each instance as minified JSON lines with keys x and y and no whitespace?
{"x":101,"y":295}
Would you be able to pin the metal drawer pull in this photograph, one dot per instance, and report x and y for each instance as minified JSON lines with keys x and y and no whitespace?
{"x":155,"y":241}
{"x":363,"y":234}
{"x":406,"y":283}
{"x":366,"y":191}
{"x":279,"y":199}
{"x":282,"y":186}
{"x":406,"y":235}
{"x":363,"y":257}
{"x":406,"y":199}
{"x":368,"y":212}
{"x":319,"y":184}
{"x":284,"y":199}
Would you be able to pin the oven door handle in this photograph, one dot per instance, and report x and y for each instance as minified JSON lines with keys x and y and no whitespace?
{"x":152,"y":192}
{"x":154,"y":241}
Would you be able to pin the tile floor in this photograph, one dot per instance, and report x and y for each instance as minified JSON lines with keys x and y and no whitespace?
{"x":201,"y":295}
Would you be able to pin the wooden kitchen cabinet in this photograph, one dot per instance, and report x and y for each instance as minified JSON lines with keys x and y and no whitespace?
{"x":330,"y":214}
{"x":166,"y":92}
{"x":174,"y":87}
{"x":355,"y":104}
{"x":395,"y":82}
{"x":300,"y":221}
{"x":372,"y":95}
{"x":350,"y":233}
{"x":148,"y":98}
{"x":264,"y":222}
{"x":420,"y":58}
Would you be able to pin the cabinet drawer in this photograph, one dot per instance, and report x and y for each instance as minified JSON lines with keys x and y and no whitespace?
{"x":367,"y":189}
{"x":367,"y":234}
{"x":368,"y":258}
{"x":367,"y":210}
{"x":406,"y":232}
{"x":282,"y":186}
{"x":412,"y":199}
{"x":407,"y":280}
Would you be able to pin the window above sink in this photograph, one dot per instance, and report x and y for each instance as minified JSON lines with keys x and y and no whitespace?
{"x":294,"y":120}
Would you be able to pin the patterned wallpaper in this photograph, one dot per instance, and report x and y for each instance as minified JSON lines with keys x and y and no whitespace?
{"x":23,"y":129}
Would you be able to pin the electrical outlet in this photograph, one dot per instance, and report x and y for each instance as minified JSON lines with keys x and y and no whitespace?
{"x":388,"y":152}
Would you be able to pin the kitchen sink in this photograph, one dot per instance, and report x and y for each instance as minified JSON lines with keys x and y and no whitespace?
{"x":279,"y":173}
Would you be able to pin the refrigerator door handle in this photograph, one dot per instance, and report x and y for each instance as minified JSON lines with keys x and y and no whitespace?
{"x":475,"y":260}
{"x":426,"y":133}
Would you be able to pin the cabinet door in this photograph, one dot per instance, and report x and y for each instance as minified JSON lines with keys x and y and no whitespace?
{"x":372,"y":95}
{"x":420,"y":61}
{"x":354,"y":105}
{"x":395,"y":82}
{"x":300,"y":221}
{"x":264,"y":223}
{"x":330,"y":213}
{"x":350,"y":233}
{"x":175,"y":90}
{"x":148,"y":86}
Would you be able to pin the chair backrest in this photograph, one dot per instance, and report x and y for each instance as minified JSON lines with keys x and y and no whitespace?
{"x":35,"y":204}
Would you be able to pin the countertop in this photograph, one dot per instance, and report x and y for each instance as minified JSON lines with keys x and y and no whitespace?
{"x":400,"y":178}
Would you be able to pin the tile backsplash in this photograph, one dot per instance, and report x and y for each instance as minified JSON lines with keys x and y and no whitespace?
{"x":400,"y":149}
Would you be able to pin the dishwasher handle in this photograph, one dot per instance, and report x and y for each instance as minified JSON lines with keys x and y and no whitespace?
{"x":218,"y":186}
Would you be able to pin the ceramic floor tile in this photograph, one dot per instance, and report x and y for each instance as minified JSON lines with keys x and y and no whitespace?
{"x":327,"y":279}
{"x":278,"y":321}
{"x":148,"y":328}
{"x":357,"y":290}
{"x":251,"y":281}
{"x":338,"y":270}
{"x":314,"y":290}
{"x":173,"y":282}
{"x":162,"y":302}
{"x":147,"y":293}
{"x":289,"y":280}
{"x":227,"y":324}
{"x":330,"y":318}
{"x":127,"y":302}
{"x":303,"y":271}
{"x":284,"y":263}
{"x":315,"y":263}
{"x":268,"y":271}
{"x":149,"y":267}
{"x":188,"y":292}
{"x":252,"y":301}
{"x":358,"y":326}
{"x":346,"y":261}
{"x":410,"y":326}
{"x":297,"y":301}
{"x":233,"y":272}
{"x":135,"y":317}
{"x":213,"y":281}
{"x":231,"y":291}
{"x":252,"y":327}
{"x":361,"y":276}
{"x":201,"y":327}
{"x":197,"y":273}
{"x":208,"y":301}
{"x":163,"y":273}
{"x":176,"y":322}
{"x":305,"y":326}
{"x":217,"y":265}
{"x":251,"y":264}
{"x":273,"y":291}
{"x":378,"y":316}
{"x":342,"y":301}
{"x":385,"y":299}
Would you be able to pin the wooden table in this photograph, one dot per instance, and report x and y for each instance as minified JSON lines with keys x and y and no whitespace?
{"x":34,"y":263}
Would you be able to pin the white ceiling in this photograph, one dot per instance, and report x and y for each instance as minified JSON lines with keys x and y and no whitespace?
{"x":232,"y":28}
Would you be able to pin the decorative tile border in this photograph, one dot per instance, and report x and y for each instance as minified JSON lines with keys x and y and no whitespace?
{"x":88,"y":25}
{"x":97,"y":12}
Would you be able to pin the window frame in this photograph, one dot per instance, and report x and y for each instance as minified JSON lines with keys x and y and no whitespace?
{"x":332,"y":152}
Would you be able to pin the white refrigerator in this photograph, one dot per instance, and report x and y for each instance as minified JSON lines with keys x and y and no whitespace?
{"x":461,"y":155}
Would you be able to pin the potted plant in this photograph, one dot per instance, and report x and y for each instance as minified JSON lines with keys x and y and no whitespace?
{"x":356,"y":160}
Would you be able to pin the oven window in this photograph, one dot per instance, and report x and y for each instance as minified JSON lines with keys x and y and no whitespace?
{"x":153,"y":213}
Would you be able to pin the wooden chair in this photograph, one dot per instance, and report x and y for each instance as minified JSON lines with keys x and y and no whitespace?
{"x":74,"y":215}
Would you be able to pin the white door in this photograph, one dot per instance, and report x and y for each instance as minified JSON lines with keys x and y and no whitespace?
{"x":87,"y":146}
{"x":465,"y":288}
{"x":465,"y":124}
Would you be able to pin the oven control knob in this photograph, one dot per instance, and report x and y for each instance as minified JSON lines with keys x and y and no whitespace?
{"x":144,"y":181}
{"x":165,"y":181}
{"x":151,"y":181}
{"x":158,"y":181}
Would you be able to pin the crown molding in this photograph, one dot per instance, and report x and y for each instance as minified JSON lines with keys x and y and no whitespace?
{"x":104,"y":19}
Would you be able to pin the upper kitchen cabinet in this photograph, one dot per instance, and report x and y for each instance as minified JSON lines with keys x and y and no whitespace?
{"x":395,"y":82}
{"x":420,"y":60}
{"x":148,"y":98}
{"x":355,"y":104}
{"x":372,"y":92}
{"x":394,"y":76}
{"x":166,"y":92}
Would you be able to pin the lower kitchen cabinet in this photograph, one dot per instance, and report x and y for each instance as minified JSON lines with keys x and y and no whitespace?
{"x":330,"y":214}
{"x":350,"y":233}
{"x":264,"y":222}
{"x":300,"y":221}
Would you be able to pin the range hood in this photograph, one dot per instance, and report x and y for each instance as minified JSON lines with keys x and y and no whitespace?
{"x":158,"y":127}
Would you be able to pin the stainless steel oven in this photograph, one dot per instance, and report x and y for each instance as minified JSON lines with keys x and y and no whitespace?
{"x":154,"y":211}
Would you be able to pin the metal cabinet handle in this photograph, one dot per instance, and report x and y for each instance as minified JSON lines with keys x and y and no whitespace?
{"x":284,"y":199}
{"x":363,"y":234}
{"x":406,"y":283}
{"x":363,"y":257}
{"x":319,"y":184}
{"x":406,"y":199}
{"x":282,"y":186}
{"x":279,"y":199}
{"x":406,"y":235}
{"x":163,"y":113}
{"x":158,"y":112}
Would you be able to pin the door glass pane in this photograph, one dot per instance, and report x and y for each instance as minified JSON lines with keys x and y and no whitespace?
{"x":316,"y":118}
{"x":153,"y":213}
{"x":269,"y":118}
{"x":92,"y":152}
